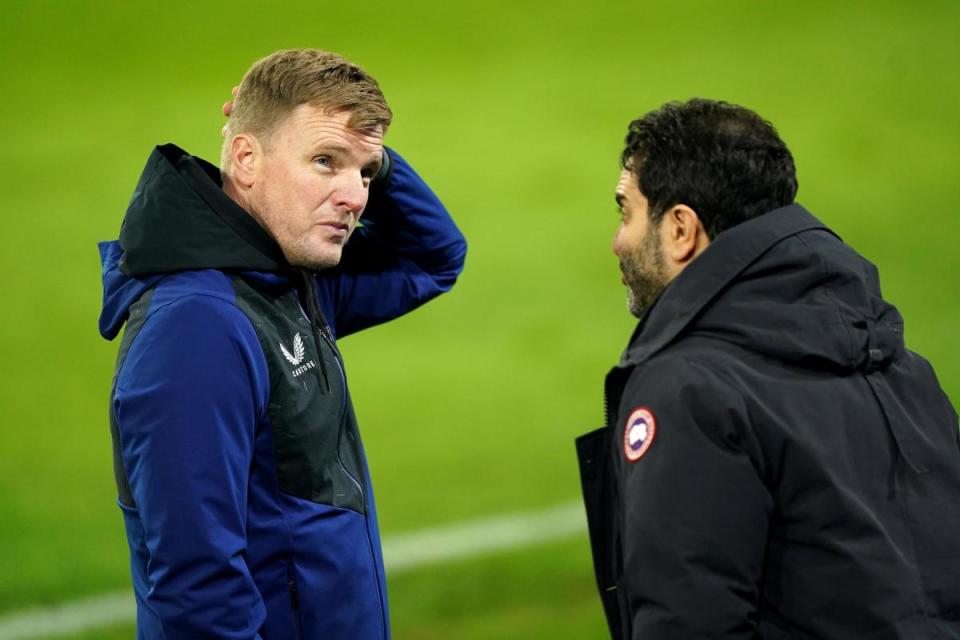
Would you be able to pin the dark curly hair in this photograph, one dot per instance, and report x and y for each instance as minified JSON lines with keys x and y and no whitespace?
{"x":722,"y":160}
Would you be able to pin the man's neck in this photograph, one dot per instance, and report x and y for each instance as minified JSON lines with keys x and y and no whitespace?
{"x":234,"y":192}
{"x":242,"y":197}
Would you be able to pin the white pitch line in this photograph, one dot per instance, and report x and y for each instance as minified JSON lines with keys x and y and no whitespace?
{"x":477,"y":537}
{"x":401,"y":552}
{"x":72,"y":617}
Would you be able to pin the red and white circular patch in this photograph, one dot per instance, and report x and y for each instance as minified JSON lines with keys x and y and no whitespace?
{"x":638,"y":433}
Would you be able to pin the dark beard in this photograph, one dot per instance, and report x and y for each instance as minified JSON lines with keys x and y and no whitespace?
{"x":643,"y":270}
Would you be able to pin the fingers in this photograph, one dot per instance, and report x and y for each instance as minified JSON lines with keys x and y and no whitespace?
{"x":228,"y":105}
{"x":228,"y":109}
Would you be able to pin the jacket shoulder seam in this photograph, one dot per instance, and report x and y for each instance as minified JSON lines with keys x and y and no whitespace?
{"x":180,"y":298}
{"x":698,"y":373}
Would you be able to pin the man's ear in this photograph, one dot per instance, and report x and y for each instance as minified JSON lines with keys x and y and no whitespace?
{"x":246,"y":158}
{"x":684,"y":236}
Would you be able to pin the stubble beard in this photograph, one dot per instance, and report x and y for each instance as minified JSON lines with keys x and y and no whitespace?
{"x":298,"y":248}
{"x":306,"y":257}
{"x":645,"y":274}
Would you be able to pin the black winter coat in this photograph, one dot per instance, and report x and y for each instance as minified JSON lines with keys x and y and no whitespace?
{"x":775,"y":463}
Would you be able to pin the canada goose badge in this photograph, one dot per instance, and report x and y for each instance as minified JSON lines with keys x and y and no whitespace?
{"x":638,"y":434}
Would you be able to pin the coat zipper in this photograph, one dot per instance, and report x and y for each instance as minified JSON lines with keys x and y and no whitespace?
{"x":294,"y":596}
{"x":318,"y":324}
{"x":343,"y":419}
{"x":321,"y":333}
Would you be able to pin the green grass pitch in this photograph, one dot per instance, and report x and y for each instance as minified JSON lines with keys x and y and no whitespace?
{"x":515,"y":113}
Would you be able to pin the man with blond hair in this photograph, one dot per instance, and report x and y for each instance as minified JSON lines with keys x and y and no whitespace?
{"x":239,"y":468}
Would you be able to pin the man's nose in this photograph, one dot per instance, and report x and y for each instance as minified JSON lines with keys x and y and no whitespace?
{"x":351,"y":193}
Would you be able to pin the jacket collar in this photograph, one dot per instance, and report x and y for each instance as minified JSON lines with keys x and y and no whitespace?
{"x":709,"y":274}
{"x":206,"y":181}
{"x":180,"y":219}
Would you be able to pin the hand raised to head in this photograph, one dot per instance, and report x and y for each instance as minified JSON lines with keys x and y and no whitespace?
{"x":228,"y":108}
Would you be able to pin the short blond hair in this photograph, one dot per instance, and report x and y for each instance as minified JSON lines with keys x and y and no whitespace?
{"x":275,"y":85}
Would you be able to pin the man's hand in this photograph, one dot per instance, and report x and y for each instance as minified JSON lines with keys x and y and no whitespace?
{"x":228,"y":108}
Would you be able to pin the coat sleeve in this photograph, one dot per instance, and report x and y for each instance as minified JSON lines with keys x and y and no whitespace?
{"x":407,"y":251}
{"x":186,"y":400}
{"x":695,"y":509}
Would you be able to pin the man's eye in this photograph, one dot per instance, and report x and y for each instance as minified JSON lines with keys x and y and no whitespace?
{"x":323,"y":161}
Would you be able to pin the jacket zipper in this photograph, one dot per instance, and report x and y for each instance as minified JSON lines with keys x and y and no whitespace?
{"x":343,"y":419}
{"x":614,"y":385}
{"x":294,"y":596}
{"x":606,"y":408}
{"x":321,"y":333}
{"x":318,"y":324}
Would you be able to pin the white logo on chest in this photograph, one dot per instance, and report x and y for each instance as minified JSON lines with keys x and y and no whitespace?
{"x":298,"y":351}
{"x":296,"y":358}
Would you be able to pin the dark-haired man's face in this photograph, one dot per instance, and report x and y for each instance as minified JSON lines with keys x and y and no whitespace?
{"x":638,"y":245}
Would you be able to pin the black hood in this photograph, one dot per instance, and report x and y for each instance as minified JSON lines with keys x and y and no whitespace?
{"x":179,"y":218}
{"x":784,"y":286}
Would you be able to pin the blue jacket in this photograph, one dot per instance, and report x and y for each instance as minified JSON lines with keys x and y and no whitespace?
{"x":239,"y":468}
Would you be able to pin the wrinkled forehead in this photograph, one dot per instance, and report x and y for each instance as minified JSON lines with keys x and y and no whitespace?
{"x":312,"y":124}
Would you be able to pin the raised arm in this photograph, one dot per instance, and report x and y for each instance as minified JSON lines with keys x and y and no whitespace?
{"x":407,"y":251}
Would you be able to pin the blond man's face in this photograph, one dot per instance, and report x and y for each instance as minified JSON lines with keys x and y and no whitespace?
{"x":312,"y":183}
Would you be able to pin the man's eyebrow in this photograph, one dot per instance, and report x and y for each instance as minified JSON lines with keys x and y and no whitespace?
{"x":373,"y":164}
{"x":322,"y":145}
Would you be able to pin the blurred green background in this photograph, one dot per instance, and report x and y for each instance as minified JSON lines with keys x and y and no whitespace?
{"x":515,"y":113}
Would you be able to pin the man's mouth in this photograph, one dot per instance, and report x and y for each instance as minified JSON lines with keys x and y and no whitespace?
{"x":337,"y":226}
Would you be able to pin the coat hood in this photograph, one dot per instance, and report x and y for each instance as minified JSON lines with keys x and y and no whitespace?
{"x":179,"y":219}
{"x":784,"y":286}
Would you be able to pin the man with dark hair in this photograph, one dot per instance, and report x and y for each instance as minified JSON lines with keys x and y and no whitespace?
{"x":775,"y":463}
{"x":240,"y":472}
